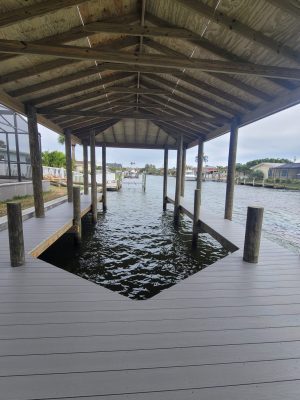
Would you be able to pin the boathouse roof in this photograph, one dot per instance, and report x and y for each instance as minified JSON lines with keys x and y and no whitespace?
{"x":141,"y":73}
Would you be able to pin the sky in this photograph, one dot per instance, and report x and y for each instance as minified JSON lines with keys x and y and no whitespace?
{"x":277,"y":136}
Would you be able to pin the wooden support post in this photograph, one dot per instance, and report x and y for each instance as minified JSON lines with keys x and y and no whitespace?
{"x":68,"y":150}
{"x":183,"y":172}
{"x":253,"y":234}
{"x":36,"y":161}
{"x":165,"y":184}
{"x":200,"y":164}
{"x":197,"y":196}
{"x":104,"y":191}
{"x":231,"y":170}
{"x":178,"y":180}
{"x":93,"y":178}
{"x":15,"y":234}
{"x":85,"y":169}
{"x":197,"y":200}
{"x":76,"y":214}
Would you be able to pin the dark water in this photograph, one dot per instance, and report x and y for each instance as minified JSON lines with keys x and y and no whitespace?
{"x":134,"y":248}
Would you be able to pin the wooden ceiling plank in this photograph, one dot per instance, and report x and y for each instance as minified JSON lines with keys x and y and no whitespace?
{"x":86,"y":53}
{"x":115,"y":89}
{"x":79,"y":88}
{"x":58,"y":63}
{"x":35,"y":10}
{"x":225,"y":78}
{"x":77,"y":112}
{"x":227,"y":55}
{"x":75,"y":33}
{"x":240,"y":28}
{"x":287,"y":6}
{"x":107,"y":104}
{"x":200,"y":107}
{"x":175,"y":107}
{"x":137,"y":30}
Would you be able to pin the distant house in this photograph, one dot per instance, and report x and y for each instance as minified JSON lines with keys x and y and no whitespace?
{"x":285,"y":171}
{"x":265,"y":168}
{"x":209,"y":170}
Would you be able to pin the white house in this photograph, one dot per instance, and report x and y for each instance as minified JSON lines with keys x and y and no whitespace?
{"x":264,"y":168}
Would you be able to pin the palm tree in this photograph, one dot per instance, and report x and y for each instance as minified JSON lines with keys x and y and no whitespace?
{"x":205,"y":159}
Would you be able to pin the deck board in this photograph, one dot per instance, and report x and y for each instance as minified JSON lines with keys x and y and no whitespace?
{"x":230,"y":331}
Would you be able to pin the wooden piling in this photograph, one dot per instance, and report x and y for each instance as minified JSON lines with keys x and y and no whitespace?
{"x":253,"y":234}
{"x":15,"y":234}
{"x":197,"y":200}
{"x":85,"y":169}
{"x":183,"y":170}
{"x":68,"y":150}
{"x":231,"y":170}
{"x":93,"y":178}
{"x":178,"y":180}
{"x":36,"y":161}
{"x":104,"y":191}
{"x":197,"y":195}
{"x":165,"y":184}
{"x":76,"y":214}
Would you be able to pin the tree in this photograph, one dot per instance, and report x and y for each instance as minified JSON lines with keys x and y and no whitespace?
{"x":61,"y":139}
{"x":53,"y":159}
{"x":256,"y":175}
{"x":250,"y":164}
{"x":205,"y":158}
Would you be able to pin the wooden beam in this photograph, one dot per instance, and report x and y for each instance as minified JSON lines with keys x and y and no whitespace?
{"x":84,"y":101}
{"x":86,"y":53}
{"x":171,"y":106}
{"x":201,"y":84}
{"x":200,"y":107}
{"x":58,"y":63}
{"x":227,"y":55}
{"x":280,"y":104}
{"x":98,"y":127}
{"x":115,"y":89}
{"x":240,"y":28}
{"x":51,"y":97}
{"x":75,"y":33}
{"x":130,"y":145}
{"x":137,"y":30}
{"x":133,"y":115}
{"x":35,"y":10}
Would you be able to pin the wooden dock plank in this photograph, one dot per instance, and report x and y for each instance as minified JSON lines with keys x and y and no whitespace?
{"x":229,"y":331}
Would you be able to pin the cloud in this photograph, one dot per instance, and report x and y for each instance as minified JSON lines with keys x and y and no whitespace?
{"x":274,"y":136}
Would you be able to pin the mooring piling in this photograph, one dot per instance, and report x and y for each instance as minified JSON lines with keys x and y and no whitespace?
{"x":15,"y":234}
{"x":253,"y":234}
{"x":76,"y":214}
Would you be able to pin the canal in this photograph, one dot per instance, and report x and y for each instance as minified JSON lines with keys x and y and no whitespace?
{"x":282,"y":208}
{"x":134,"y":248}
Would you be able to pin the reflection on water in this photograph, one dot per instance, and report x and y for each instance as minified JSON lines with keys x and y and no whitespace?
{"x":134,"y":249}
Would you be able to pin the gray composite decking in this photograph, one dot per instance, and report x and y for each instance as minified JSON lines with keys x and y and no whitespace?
{"x":231,"y":331}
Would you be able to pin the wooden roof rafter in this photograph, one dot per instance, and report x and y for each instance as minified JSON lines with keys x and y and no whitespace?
{"x":226,"y":55}
{"x":219,"y":17}
{"x":86,"y":53}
